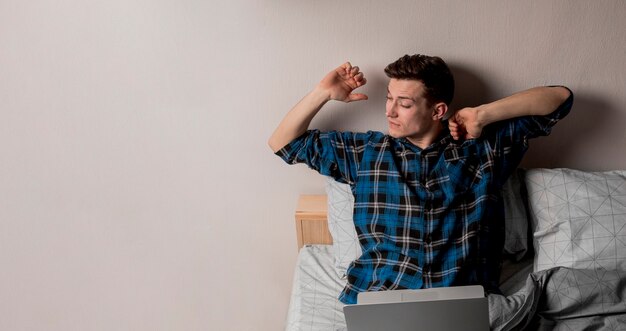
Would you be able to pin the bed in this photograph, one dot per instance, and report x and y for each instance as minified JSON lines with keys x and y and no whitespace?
{"x":565,"y":254}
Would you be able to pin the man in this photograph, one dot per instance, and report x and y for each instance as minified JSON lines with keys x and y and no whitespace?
{"x":428,"y":205}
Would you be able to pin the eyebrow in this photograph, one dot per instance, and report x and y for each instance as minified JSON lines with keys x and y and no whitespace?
{"x":401,"y":97}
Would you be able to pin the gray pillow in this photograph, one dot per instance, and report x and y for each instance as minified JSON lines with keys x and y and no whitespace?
{"x":578,"y":218}
{"x":515,"y":216}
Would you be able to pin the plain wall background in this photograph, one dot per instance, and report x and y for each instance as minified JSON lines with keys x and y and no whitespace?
{"x":137,"y":191}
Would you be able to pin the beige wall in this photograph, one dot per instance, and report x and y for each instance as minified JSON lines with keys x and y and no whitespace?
{"x":136,"y":188}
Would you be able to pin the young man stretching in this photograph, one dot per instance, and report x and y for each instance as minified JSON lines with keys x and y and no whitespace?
{"x":428,"y":206}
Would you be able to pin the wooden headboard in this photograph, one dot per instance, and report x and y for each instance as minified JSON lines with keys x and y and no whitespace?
{"x":312,"y":220}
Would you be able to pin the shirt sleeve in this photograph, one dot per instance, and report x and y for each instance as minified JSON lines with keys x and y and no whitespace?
{"x":335,"y":154}
{"x":509,"y":139}
{"x":528,"y":127}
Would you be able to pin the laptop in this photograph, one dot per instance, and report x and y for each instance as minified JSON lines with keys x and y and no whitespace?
{"x":434,"y":309}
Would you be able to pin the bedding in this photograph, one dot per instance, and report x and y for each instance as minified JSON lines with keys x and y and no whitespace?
{"x":553,"y":299}
{"x":340,"y":208}
{"x":563,"y":299}
{"x":578,"y":218}
{"x":316,"y":285}
{"x":575,"y":280}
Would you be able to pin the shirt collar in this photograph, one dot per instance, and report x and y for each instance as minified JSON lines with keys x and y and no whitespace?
{"x":443,"y":139}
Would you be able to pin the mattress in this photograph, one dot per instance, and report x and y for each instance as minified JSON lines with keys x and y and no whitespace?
{"x":316,"y":285}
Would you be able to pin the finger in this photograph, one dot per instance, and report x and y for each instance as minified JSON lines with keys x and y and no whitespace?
{"x":356,"y":97}
{"x":359,"y":78}
{"x":354,"y":71}
{"x":347,"y":67}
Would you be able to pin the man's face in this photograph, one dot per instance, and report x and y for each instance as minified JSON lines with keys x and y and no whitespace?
{"x":408,"y":113}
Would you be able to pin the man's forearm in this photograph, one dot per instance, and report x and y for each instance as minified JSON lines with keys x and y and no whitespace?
{"x":535,"y":101}
{"x":297,"y":121}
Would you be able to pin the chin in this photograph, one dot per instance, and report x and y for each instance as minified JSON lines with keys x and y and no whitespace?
{"x":394,"y":134}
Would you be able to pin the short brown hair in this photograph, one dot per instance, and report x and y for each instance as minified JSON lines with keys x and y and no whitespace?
{"x":432,"y":71}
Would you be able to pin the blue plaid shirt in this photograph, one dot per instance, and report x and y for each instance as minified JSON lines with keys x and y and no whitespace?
{"x":428,"y":217}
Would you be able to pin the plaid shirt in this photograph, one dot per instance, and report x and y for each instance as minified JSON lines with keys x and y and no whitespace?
{"x":425,"y":217}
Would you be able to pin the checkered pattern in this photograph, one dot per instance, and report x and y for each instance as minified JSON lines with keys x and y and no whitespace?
{"x":425,"y":218}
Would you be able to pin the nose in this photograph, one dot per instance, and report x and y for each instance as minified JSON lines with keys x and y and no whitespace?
{"x":390,"y":110}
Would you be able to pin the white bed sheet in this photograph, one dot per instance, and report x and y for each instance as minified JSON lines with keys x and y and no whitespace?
{"x":316,"y":285}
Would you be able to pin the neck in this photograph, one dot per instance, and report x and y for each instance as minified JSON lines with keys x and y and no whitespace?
{"x":428,"y":138}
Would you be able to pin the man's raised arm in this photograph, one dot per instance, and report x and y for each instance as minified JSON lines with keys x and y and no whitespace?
{"x":336,"y":85}
{"x":468,"y":122}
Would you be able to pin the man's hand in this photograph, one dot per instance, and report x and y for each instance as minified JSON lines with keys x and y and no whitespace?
{"x":340,"y":83}
{"x":337,"y":85}
{"x":465,"y":124}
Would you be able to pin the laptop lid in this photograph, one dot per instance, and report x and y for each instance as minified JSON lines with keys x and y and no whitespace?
{"x":429,"y":294}
{"x":429,"y":315}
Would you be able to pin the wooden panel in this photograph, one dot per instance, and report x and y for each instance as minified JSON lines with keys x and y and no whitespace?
{"x":311,"y":220}
{"x":313,"y":205}
{"x":314,"y":231}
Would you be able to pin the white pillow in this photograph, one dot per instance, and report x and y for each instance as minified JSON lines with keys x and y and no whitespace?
{"x":340,"y":209}
{"x":578,"y":218}
{"x":346,"y":244}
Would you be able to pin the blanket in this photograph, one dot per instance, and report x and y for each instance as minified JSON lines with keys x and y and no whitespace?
{"x":563,"y":299}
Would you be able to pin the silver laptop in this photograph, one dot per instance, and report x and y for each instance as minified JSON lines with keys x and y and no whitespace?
{"x":435,"y":309}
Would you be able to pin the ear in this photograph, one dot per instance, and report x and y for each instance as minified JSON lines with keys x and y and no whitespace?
{"x":440,"y":110}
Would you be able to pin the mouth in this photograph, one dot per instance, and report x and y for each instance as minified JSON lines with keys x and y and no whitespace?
{"x":393,"y":125}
